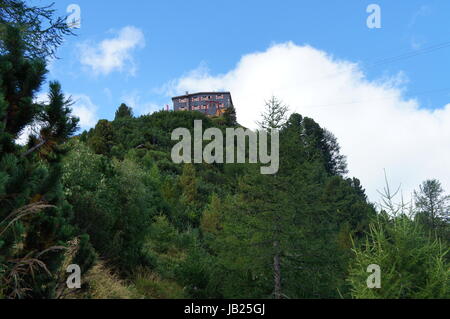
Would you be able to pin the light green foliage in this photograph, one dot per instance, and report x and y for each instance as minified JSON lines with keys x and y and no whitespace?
{"x":211,"y":219}
{"x":114,"y":203}
{"x":412,"y":262}
{"x":152,"y":286}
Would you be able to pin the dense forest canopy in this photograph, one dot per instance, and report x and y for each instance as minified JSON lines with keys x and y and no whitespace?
{"x":112,"y":201}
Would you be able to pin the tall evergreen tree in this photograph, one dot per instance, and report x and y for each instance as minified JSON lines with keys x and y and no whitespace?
{"x":257,"y":235}
{"x":102,"y":136}
{"x":123,"y":112}
{"x":262,"y":220}
{"x":412,"y":264}
{"x":432,"y":204}
{"x":34,"y":216}
{"x":274,"y":115}
{"x":56,"y":123}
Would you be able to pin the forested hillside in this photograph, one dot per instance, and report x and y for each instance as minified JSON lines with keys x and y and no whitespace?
{"x":112,"y":201}
{"x":211,"y":227}
{"x":225,"y":230}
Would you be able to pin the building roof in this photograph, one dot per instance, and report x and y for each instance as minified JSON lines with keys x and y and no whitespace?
{"x":199,"y":93}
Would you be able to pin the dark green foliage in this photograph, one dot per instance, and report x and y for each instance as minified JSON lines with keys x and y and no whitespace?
{"x":229,"y":116}
{"x":347,"y":201}
{"x":123,"y":112}
{"x":318,"y":144}
{"x":21,"y":78}
{"x":86,"y":255}
{"x":101,"y":140}
{"x":433,"y":206}
{"x":56,"y":125}
{"x":35,"y":218}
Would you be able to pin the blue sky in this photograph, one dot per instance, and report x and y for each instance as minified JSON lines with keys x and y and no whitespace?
{"x":181,"y":35}
{"x":319,"y":57}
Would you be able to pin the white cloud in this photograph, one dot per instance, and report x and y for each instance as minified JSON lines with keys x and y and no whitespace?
{"x":34,"y":128}
{"x":113,"y":54}
{"x":84,"y":109}
{"x":140,"y":107}
{"x":376,"y":126}
{"x":22,"y":139}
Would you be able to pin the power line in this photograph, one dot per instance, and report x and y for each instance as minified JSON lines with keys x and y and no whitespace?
{"x":412,"y":54}
{"x":375,"y":99}
{"x":392,"y":59}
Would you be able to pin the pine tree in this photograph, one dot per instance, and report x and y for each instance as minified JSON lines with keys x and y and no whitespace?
{"x":412,"y":264}
{"x":101,"y":141}
{"x":56,"y":123}
{"x":123,"y":112}
{"x":274,"y":115}
{"x":432,"y":204}
{"x":316,"y":143}
{"x":34,"y":216}
{"x":262,"y":218}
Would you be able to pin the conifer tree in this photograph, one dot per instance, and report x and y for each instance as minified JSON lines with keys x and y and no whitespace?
{"x":274,"y":115}
{"x":432,"y":204}
{"x":123,"y":112}
{"x":34,"y":216}
{"x":102,"y":135}
{"x":55,"y":121}
{"x":262,"y":217}
{"x":412,"y":264}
